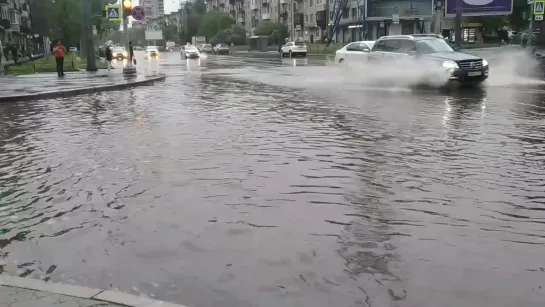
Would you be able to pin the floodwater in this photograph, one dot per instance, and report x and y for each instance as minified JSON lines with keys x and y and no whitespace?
{"x":264,"y":182}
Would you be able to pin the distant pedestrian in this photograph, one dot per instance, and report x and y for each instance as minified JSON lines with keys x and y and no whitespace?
{"x":131,"y":53}
{"x":59,"y":58}
{"x":109,"y":57}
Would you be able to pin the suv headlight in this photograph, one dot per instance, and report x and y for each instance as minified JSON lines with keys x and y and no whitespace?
{"x":450,"y":65}
{"x":485,"y":62}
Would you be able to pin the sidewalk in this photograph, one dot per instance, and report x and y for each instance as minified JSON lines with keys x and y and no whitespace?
{"x":23,"y":292}
{"x":49,"y":85}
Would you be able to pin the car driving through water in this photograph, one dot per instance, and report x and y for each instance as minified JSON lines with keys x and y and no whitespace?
{"x":190,"y":51}
{"x":152,"y":51}
{"x":430,"y":51}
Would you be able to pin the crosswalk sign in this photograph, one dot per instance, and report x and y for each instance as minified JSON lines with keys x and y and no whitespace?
{"x":538,"y":7}
{"x":113,"y":12}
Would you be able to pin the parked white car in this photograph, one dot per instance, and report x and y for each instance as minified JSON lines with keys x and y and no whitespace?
{"x":356,"y":51}
{"x":292,"y":49}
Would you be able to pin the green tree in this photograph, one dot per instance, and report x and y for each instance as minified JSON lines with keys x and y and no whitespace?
{"x":214,"y":22}
{"x":275,"y":31}
{"x":235,"y":35}
{"x":170,"y":33}
{"x":515,"y":19}
{"x":68,"y":17}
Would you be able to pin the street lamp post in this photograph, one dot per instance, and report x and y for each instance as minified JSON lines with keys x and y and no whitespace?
{"x":88,"y":37}
{"x":129,"y":69}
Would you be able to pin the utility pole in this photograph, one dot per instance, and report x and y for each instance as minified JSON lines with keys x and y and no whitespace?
{"x":87,"y":41}
{"x":530,"y":24}
{"x":129,"y":69}
{"x":458,"y":28}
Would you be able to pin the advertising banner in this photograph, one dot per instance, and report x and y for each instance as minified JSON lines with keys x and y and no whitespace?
{"x":479,"y":7}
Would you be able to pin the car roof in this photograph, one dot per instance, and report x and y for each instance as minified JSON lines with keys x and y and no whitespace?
{"x":412,"y":36}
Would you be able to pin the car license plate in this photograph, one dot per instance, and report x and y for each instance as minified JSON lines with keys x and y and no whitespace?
{"x":474,"y":73}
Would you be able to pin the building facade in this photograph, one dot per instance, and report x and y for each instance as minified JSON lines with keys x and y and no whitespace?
{"x":15,"y":23}
{"x":308,"y":19}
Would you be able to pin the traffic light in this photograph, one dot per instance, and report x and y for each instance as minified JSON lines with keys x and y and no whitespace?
{"x":127,"y":8}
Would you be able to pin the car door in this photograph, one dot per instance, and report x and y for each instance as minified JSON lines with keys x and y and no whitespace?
{"x":351,"y":51}
{"x":391,"y":50}
{"x":377,"y":52}
{"x":287,"y":47}
{"x":362,"y":51}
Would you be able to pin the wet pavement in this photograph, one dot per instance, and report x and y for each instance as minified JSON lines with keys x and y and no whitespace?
{"x":46,"y":82}
{"x":267,"y":182}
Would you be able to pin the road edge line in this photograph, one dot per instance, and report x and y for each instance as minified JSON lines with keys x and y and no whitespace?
{"x":110,"y":296}
{"x":81,"y":91}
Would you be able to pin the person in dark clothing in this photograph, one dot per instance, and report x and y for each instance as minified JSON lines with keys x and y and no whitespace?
{"x":59,"y":58}
{"x":131,"y":53}
{"x":109,"y":57}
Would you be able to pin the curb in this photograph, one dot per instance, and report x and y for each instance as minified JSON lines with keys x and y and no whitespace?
{"x":81,"y":91}
{"x":109,"y":296}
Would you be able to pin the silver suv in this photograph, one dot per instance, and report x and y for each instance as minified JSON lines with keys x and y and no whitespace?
{"x":459,"y":67}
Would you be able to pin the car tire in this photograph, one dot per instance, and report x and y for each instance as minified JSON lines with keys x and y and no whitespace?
{"x":291,"y":55}
{"x":341,"y":60}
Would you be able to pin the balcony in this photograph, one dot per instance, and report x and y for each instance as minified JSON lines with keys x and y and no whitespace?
{"x":240,"y":19}
{"x":321,"y":7}
{"x":284,"y":1}
{"x":265,"y":16}
{"x":15,"y":28}
{"x":265,"y":2}
{"x":410,"y":9}
{"x":254,"y":6}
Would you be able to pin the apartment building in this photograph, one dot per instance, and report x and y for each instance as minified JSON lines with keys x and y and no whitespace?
{"x":154,"y":10}
{"x":15,"y":23}
{"x":308,"y":19}
{"x":305,"y":19}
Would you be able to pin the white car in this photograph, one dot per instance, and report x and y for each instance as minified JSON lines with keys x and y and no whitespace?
{"x":293,"y":49}
{"x":356,"y":51}
{"x":152,"y":51}
{"x":190,"y":52}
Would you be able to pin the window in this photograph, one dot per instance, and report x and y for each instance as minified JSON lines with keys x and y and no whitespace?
{"x":406,"y":46}
{"x":354,"y":12}
{"x":357,"y":47}
{"x":306,"y":18}
{"x":391,"y":45}
{"x":352,"y":47}
{"x":311,"y":2}
{"x":312,"y":18}
{"x":345,"y":13}
{"x":379,"y":46}
{"x":364,"y":47}
{"x":426,"y":46}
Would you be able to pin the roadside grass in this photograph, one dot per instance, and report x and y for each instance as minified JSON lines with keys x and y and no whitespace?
{"x":71,"y":63}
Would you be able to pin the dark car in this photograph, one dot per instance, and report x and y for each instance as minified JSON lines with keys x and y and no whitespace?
{"x":222,"y":49}
{"x":434,"y":50}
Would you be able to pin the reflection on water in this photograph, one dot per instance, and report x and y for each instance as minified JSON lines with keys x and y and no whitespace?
{"x":211,"y":191}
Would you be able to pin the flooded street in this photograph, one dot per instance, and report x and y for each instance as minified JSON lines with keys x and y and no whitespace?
{"x":265,"y":182}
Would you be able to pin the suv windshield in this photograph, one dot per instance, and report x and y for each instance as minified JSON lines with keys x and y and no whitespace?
{"x":433,"y":45}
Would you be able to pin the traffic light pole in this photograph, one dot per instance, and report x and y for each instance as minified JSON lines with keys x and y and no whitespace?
{"x":129,"y":69}
{"x":88,"y":46}
{"x":530,"y":25}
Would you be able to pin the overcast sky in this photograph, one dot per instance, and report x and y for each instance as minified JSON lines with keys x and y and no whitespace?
{"x":170,"y":5}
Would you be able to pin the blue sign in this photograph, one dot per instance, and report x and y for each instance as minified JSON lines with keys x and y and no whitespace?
{"x":538,"y":7}
{"x":113,"y":13}
{"x":138,"y":13}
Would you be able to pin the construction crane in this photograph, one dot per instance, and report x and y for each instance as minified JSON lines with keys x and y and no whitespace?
{"x":338,"y":8}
